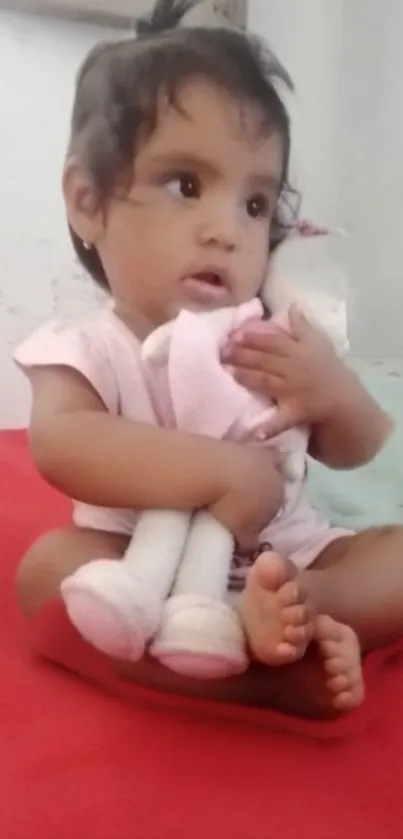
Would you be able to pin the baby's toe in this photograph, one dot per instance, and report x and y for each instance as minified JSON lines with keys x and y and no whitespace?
{"x":335,"y":665}
{"x":339,"y":684}
{"x":288,"y":653}
{"x":290,"y":594}
{"x":297,"y":615}
{"x":345,"y":702}
{"x":271,"y":572}
{"x":328,"y":630}
{"x":297,"y":635}
{"x":352,"y":696}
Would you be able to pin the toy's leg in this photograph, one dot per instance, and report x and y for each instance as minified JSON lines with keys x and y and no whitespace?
{"x":116,"y":605}
{"x":200,"y":634}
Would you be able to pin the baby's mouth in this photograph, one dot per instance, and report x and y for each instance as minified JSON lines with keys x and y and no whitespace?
{"x":211,"y":278}
{"x":208,"y":286}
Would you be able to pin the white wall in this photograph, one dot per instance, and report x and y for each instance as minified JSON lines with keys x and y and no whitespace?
{"x":349,"y":136}
{"x":38,"y":277}
{"x":346,"y":60}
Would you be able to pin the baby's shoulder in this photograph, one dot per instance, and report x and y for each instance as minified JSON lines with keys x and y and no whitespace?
{"x":100,"y":334}
{"x":98,"y":346}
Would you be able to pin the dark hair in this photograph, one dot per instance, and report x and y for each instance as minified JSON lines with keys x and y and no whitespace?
{"x":119,"y":89}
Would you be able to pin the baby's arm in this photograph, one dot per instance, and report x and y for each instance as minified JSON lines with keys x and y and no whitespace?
{"x":356,"y":432}
{"x":102,"y":459}
{"x":109,"y":461}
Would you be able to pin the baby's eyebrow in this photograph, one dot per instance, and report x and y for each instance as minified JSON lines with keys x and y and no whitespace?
{"x":184,"y":160}
{"x":266,"y":181}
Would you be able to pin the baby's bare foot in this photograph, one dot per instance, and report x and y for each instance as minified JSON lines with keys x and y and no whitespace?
{"x":340,"y":648}
{"x":276,"y":615}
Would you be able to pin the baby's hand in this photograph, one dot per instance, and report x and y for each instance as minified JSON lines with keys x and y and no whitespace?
{"x":252,"y":493}
{"x":255,"y":326}
{"x":298,"y":369}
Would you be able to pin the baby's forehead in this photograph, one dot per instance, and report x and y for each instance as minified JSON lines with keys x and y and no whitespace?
{"x":208,"y":127}
{"x":202,"y":102}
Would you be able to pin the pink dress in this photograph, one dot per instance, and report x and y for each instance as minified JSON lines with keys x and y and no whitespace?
{"x":109,"y":356}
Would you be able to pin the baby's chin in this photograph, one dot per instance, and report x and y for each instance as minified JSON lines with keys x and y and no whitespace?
{"x":198,"y":307}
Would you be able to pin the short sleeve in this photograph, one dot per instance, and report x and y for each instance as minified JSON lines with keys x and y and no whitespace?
{"x":80,"y":347}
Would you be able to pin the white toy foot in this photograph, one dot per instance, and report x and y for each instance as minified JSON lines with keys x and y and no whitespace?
{"x":201,"y":638}
{"x":111,"y":610}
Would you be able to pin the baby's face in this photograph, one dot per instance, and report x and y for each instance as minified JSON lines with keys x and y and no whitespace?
{"x":194,"y":229}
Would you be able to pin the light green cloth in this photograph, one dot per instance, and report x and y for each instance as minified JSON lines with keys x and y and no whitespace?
{"x":372,"y":495}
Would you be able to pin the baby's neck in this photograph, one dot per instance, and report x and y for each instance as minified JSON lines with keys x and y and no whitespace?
{"x":135,"y":321}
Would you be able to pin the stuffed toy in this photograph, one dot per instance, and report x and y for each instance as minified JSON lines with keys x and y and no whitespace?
{"x":169,"y":593}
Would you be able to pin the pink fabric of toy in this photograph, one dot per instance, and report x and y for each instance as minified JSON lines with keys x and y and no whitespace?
{"x":190,"y":387}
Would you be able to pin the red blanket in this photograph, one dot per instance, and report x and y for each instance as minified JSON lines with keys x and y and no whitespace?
{"x":84,"y":762}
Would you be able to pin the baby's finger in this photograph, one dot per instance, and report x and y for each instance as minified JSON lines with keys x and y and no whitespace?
{"x":242,"y":358}
{"x":261,"y":382}
{"x":277,"y":343}
{"x":286,"y":417}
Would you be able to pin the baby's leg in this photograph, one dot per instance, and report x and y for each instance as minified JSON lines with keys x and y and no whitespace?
{"x":358,"y":580}
{"x":298,"y":689}
{"x":57,"y":555}
{"x":280,"y":621}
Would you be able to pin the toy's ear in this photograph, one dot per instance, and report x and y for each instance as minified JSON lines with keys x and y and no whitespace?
{"x":301,"y":271}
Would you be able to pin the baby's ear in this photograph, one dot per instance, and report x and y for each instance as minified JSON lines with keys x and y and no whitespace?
{"x":156,"y":347}
{"x":83,"y":213}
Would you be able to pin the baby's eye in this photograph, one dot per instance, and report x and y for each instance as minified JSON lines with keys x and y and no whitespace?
{"x":258,"y":206}
{"x":184,"y":185}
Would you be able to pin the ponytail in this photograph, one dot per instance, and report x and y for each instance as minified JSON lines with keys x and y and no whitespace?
{"x":166,"y":15}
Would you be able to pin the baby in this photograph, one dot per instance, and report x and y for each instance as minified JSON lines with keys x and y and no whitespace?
{"x":176,"y":192}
